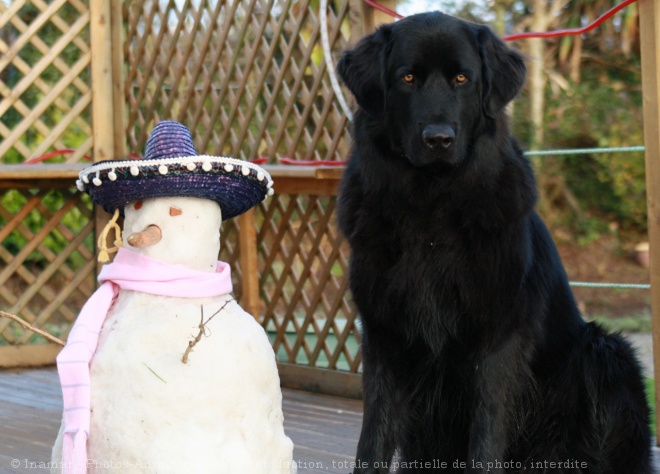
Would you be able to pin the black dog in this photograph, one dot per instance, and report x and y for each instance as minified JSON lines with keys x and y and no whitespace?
{"x":476,"y":358}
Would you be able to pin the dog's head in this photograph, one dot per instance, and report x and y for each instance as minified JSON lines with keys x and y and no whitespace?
{"x":432,"y":79}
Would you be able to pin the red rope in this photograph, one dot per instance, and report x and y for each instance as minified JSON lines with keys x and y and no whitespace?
{"x":65,"y":151}
{"x":291,"y":161}
{"x":544,"y":34}
{"x":572,"y":31}
{"x":383,"y":9}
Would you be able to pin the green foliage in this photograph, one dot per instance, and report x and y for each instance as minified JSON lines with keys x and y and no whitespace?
{"x":34,"y":221}
{"x":603,"y":110}
{"x":13,"y":201}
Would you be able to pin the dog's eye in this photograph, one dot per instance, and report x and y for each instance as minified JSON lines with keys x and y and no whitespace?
{"x":408,"y":78}
{"x":460,"y":79}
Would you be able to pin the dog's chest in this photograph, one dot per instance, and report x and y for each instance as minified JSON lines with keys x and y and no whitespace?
{"x":402,"y":257}
{"x":395,"y":243}
{"x":427,"y":269}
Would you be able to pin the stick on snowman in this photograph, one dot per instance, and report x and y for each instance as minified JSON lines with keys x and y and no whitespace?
{"x":135,"y":397}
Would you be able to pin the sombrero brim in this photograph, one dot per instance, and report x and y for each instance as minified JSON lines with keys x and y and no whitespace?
{"x":235,"y":185}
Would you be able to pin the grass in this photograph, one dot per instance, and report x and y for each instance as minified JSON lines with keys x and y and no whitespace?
{"x":638,"y":322}
{"x":650,"y":396}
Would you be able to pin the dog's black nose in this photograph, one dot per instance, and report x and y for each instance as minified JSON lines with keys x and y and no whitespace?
{"x":438,"y":137}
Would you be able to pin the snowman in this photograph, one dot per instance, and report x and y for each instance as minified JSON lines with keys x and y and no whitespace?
{"x":163,"y":372}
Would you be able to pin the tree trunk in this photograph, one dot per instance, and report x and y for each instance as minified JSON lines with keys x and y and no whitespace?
{"x":537,"y":77}
{"x":576,"y":59}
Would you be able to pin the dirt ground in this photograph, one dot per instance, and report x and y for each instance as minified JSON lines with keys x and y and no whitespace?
{"x":603,"y":261}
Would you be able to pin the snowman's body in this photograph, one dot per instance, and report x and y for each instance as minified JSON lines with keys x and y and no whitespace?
{"x":219,"y":412}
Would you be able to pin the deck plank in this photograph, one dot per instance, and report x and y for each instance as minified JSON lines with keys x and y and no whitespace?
{"x":324,"y":429}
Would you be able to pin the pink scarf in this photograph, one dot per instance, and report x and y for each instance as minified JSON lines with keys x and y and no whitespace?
{"x":129,"y":271}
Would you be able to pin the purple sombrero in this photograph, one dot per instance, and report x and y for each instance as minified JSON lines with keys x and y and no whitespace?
{"x":172,"y":167}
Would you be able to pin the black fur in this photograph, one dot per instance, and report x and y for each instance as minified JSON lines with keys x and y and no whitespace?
{"x":474,"y":350}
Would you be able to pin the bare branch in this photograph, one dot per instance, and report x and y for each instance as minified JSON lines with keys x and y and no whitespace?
{"x":202,"y":330}
{"x":30,"y":327}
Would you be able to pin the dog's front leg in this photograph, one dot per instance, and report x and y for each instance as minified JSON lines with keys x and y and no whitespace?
{"x":379,"y":425}
{"x":499,"y":378}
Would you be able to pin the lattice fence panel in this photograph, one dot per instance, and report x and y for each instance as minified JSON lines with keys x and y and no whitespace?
{"x":303,"y":266}
{"x":45,"y":93}
{"x":229,"y":252}
{"x":248,"y":77}
{"x":47,"y":262}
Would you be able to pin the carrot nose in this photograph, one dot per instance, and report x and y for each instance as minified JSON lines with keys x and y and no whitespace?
{"x":149,"y":236}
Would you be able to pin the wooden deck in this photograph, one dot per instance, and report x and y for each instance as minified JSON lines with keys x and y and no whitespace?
{"x":324,"y":429}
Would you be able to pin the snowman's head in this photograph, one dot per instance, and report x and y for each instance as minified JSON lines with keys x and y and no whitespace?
{"x":176,"y":230}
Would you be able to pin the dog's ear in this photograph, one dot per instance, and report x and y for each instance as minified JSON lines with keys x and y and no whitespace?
{"x":363,"y":70}
{"x":503,"y":71}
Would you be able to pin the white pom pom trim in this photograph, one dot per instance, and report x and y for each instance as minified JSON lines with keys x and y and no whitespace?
{"x":191,"y":163}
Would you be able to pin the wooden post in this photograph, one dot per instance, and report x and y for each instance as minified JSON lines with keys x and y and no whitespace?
{"x":357,"y":14}
{"x":117,"y":44}
{"x":102,"y":90}
{"x":374,"y":18}
{"x":102,"y":79}
{"x":249,"y":264}
{"x":649,"y":19}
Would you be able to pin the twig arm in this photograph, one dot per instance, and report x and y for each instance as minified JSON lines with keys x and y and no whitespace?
{"x":202,"y":330}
